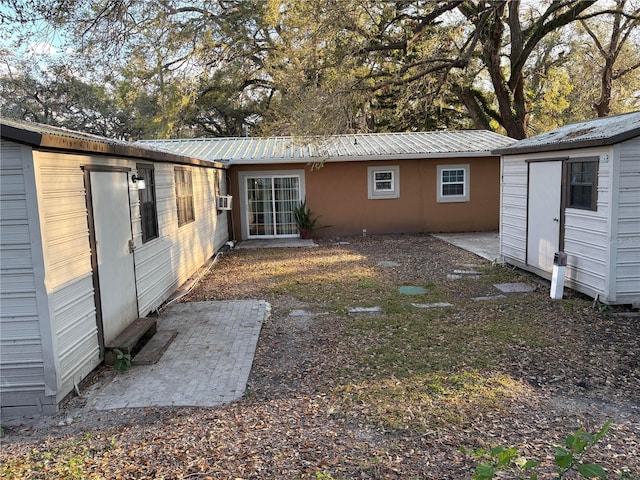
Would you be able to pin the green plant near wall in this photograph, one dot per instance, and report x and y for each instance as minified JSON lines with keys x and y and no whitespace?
{"x":305,"y":221}
{"x":123,"y":360}
{"x":303,"y":217}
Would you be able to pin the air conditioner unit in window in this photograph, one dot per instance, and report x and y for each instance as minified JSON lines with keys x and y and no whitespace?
{"x":223,"y":202}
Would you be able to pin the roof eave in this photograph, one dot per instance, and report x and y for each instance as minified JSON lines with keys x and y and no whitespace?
{"x":578,"y":144}
{"x":70,"y":144}
{"x":357,"y":158}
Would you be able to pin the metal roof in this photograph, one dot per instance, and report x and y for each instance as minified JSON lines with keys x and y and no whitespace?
{"x":591,"y":133}
{"x":62,"y":139}
{"x":373,"y":146}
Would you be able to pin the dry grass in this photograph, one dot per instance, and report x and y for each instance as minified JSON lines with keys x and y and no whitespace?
{"x":389,"y":395}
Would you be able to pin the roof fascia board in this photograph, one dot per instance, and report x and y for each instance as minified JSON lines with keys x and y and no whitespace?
{"x":20,"y":135}
{"x":68,"y":144}
{"x":549,"y":147}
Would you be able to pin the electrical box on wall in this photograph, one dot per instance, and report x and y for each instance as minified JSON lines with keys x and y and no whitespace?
{"x":223,"y":202}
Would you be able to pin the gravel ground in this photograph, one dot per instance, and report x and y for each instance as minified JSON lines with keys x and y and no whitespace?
{"x":291,"y":424}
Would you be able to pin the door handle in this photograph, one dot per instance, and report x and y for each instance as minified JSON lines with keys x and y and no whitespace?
{"x":555,"y":219}
{"x":132,"y":247}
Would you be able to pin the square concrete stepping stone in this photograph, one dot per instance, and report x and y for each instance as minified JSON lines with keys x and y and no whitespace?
{"x":432,"y":305}
{"x":458,"y":276}
{"x":466,"y":272}
{"x":385,"y":263}
{"x":412,"y":290}
{"x":489,"y":298}
{"x":365,"y":310}
{"x":517,"y":287}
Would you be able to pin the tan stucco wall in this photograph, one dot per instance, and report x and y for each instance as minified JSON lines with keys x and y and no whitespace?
{"x":338,"y":193}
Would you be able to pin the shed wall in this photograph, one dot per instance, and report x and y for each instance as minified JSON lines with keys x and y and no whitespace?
{"x":23,"y":386}
{"x":590,"y":241}
{"x":626,"y":238}
{"x":586,"y":237}
{"x":161,"y":264}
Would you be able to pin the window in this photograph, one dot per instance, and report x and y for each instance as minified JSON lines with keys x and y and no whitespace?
{"x":384,"y":182}
{"x":184,"y":196}
{"x":453,"y":183}
{"x":147,"y":197}
{"x":582,"y":184}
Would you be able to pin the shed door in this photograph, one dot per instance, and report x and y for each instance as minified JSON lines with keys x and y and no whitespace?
{"x":543,"y":224}
{"x":112,"y":226}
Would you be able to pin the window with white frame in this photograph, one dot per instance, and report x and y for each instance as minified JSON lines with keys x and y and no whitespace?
{"x":383,"y":182}
{"x":453,"y":183}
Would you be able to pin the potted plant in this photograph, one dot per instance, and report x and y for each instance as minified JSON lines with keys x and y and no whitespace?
{"x":304,"y":219}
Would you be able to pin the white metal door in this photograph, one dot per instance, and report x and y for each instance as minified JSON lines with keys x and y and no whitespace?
{"x":543,"y":224}
{"x":111,"y":219}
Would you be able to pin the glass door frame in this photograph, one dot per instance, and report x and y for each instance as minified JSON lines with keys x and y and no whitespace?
{"x":244,"y":195}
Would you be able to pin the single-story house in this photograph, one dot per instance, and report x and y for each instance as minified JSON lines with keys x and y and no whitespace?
{"x":85,"y":249}
{"x":576,"y":189}
{"x":443,"y":181}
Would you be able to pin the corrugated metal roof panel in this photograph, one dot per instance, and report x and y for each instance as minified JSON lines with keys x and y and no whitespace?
{"x":47,"y":136}
{"x":337,"y":148}
{"x":591,"y":133}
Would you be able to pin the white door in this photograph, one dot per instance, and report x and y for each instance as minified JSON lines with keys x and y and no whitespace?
{"x":543,"y":224}
{"x":271,"y":201}
{"x":111,"y":219}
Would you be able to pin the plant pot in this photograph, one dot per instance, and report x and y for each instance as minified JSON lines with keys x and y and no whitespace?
{"x":304,"y":234}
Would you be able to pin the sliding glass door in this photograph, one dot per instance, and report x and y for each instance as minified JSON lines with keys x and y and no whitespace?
{"x":271,"y":201}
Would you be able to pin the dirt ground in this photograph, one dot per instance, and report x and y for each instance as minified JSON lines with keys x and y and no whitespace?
{"x":289,"y":425}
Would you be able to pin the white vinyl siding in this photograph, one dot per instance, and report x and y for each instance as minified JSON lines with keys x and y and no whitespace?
{"x":166,"y":262}
{"x":586,"y":239}
{"x":22,"y":358}
{"x":67,"y":257}
{"x":39,"y":370}
{"x":603,"y":251}
{"x":626,"y":240}
{"x":513,"y":209}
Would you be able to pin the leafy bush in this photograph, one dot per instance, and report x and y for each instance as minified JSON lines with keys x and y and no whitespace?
{"x":568,"y":458}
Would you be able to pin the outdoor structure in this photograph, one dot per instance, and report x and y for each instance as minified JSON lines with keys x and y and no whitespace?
{"x":576,"y":189}
{"x":444,"y":181}
{"x":85,"y":249}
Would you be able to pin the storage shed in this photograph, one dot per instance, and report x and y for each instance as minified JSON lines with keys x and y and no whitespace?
{"x":85,"y":250}
{"x":442,"y":181}
{"x":576,"y":189}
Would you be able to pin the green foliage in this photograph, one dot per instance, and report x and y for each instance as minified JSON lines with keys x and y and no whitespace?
{"x":323,"y":67}
{"x":123,"y":360}
{"x":568,"y":458}
{"x":303,"y":217}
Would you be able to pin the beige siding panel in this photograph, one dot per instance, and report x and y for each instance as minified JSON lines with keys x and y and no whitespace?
{"x":627,"y":240}
{"x":165,"y":263}
{"x":76,"y":331}
{"x":69,"y":280}
{"x":21,"y":355}
{"x":64,"y":218}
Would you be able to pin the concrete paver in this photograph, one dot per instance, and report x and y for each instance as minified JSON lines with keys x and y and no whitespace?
{"x":517,"y":287}
{"x":208,"y":363}
{"x":483,"y":244}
